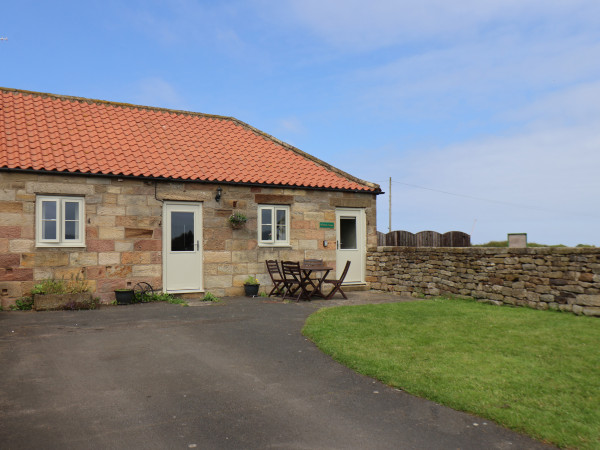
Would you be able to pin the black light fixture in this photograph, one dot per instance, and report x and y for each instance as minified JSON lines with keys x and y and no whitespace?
{"x":218,"y":196}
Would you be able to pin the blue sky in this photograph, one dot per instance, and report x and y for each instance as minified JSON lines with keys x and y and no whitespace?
{"x":485,"y":114}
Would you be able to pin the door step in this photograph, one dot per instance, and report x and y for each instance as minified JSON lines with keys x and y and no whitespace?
{"x":356,"y":287}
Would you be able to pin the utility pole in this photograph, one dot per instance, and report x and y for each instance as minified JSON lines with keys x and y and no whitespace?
{"x":390,"y":208}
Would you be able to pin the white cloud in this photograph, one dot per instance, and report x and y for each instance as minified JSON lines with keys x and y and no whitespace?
{"x":158,"y":92}
{"x":291,"y":125}
{"x":367,"y":25}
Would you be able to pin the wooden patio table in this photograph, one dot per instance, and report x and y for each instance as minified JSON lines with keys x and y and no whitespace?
{"x":307,"y":270}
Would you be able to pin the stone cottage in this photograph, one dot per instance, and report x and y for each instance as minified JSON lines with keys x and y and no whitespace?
{"x":118,"y":194}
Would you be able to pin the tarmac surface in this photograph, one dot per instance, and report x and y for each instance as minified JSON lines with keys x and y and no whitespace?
{"x":237,"y":374}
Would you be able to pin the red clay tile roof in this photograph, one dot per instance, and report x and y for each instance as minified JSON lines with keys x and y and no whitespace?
{"x":68,"y":134}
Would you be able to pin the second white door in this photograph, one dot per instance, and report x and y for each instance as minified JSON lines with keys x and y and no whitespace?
{"x":351,"y":234}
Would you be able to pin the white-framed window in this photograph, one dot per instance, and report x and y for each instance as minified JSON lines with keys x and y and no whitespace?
{"x":273,"y":225}
{"x":59,"y":221}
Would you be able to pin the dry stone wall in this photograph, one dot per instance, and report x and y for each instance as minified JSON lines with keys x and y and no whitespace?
{"x":557,"y":278}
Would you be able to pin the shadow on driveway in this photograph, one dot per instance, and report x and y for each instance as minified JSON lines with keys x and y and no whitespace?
{"x":237,"y":374}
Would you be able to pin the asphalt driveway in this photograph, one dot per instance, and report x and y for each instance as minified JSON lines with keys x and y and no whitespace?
{"x":233,"y":375}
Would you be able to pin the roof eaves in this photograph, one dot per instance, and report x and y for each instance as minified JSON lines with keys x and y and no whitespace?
{"x":186,"y":180}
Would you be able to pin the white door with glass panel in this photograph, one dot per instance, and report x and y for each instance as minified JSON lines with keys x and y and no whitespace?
{"x":182,"y":247}
{"x":351,"y":234}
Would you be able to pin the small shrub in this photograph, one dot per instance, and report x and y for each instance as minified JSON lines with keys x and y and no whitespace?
{"x":263,"y":294}
{"x":24,"y":303}
{"x":158,"y":297}
{"x":49,"y":287}
{"x":208,"y":297}
{"x":74,"y":286}
{"x":251,"y":280}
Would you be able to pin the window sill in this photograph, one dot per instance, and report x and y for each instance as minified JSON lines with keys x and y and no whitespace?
{"x":274,"y":245}
{"x":42,"y":245}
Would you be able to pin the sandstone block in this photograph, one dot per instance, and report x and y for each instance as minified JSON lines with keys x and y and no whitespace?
{"x":14,"y":219}
{"x":148,"y":245}
{"x":111,"y":232}
{"x":9,"y":260}
{"x":16,"y":274}
{"x":11,"y":207}
{"x":44,"y":259}
{"x":127,"y":199}
{"x":119,"y":271}
{"x":102,"y":220}
{"x":122,"y":246}
{"x":216,"y":257}
{"x":100,"y":245}
{"x":83,"y":259}
{"x":10,"y":232}
{"x":59,"y":188}
{"x":109,"y":258}
{"x":149,"y":270}
{"x":110,"y":210}
{"x":217,"y":281}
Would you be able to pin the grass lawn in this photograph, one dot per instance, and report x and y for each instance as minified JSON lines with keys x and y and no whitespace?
{"x":537,"y":372}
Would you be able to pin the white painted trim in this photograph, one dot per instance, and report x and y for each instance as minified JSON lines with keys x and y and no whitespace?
{"x":361,"y":233}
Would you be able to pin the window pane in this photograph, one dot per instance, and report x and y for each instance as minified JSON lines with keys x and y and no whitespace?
{"x":49,"y":210}
{"x":281,"y":225}
{"x":266,"y":218}
{"x":348,"y":233}
{"x":71,"y":210}
{"x":266,"y":233}
{"x":49,"y":229}
{"x":71,"y":230}
{"x":182,"y":231}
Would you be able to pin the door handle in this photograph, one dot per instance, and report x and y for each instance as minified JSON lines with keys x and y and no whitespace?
{"x":197,"y":245}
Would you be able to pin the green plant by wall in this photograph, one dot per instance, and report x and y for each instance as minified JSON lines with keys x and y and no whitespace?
{"x":74,"y":286}
{"x":208,"y":297}
{"x":24,"y":303}
{"x":158,"y":297}
{"x":251,"y":280}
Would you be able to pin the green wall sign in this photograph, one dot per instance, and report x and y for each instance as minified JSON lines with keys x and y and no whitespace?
{"x":325,"y":224}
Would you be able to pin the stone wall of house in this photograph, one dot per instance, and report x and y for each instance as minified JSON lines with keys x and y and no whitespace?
{"x":124,"y":232}
{"x":556,"y":278}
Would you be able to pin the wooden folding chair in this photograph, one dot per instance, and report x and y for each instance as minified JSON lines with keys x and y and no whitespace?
{"x":337,"y":284}
{"x":293,"y":280}
{"x":276,"y":277}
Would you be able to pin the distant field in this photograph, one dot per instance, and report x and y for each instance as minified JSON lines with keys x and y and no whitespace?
{"x":529,"y":244}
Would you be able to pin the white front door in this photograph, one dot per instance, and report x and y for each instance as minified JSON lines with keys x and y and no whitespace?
{"x":351,"y":236}
{"x":182,"y":247}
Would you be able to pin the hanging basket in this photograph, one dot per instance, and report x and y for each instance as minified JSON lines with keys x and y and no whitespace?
{"x":237,"y":220}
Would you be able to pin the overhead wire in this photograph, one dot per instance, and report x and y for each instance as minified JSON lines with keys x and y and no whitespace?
{"x":518,"y":205}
